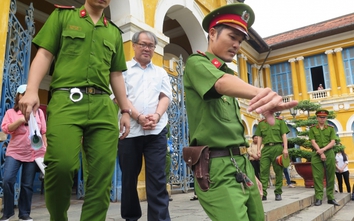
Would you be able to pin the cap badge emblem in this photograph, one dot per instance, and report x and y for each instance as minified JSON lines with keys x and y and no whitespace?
{"x":245,"y":16}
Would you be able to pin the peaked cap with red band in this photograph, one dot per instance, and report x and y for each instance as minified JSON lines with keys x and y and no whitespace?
{"x":322,"y":113}
{"x":238,"y":15}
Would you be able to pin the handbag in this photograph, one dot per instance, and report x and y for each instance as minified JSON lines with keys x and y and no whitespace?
{"x":197,"y":158}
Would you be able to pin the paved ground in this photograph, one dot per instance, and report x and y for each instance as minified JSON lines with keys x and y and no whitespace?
{"x":181,"y":208}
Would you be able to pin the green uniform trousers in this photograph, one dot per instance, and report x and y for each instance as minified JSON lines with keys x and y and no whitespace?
{"x":90,"y":124}
{"x":269,"y":154}
{"x":225,"y":200}
{"x":320,"y":169}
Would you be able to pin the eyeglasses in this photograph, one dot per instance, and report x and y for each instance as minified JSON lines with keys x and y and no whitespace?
{"x":143,"y":46}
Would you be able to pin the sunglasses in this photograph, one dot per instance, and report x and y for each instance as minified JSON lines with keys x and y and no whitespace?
{"x":322,"y":117}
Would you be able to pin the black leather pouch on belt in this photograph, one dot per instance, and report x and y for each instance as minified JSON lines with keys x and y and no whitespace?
{"x":197,"y":158}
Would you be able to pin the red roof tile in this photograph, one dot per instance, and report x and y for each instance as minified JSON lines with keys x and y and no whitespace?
{"x":311,"y":30}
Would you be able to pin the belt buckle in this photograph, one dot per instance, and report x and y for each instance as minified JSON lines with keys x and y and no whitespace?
{"x":243,"y":150}
{"x":90,"y":90}
{"x":271,"y":144}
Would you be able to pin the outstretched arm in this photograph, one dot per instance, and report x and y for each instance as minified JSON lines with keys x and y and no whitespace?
{"x":263,"y":100}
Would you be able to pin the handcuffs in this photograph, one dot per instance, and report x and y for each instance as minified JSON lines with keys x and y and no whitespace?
{"x":74,"y":91}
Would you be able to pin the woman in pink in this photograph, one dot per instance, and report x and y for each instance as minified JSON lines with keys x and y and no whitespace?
{"x":19,"y":152}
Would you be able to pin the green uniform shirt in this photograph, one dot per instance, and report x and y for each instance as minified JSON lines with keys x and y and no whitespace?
{"x":322,"y":137}
{"x":85,"y":53}
{"x":272,"y":133}
{"x":213,"y":119}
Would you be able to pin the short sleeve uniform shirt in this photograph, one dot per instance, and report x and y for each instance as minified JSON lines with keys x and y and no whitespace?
{"x":322,"y":137}
{"x":272,"y":133}
{"x":213,"y":119}
{"x":85,"y":53}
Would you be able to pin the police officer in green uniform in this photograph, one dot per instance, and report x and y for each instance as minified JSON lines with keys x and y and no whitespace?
{"x":323,"y":161}
{"x":88,"y":54}
{"x":214,"y":116}
{"x":275,"y":143}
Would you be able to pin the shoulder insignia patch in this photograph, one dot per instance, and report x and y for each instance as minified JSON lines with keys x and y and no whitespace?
{"x":202,"y":53}
{"x":216,"y":63}
{"x":64,"y":6}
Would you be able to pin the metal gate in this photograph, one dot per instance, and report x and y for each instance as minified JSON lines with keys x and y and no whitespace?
{"x":180,"y":177}
{"x":16,"y":66}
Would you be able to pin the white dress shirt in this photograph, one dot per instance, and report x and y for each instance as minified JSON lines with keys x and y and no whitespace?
{"x":340,"y":162}
{"x":143,"y":87}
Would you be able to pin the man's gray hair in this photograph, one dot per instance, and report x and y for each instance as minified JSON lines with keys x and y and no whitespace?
{"x":152,"y":36}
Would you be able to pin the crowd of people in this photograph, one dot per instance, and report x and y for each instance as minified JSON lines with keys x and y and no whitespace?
{"x":82,"y":117}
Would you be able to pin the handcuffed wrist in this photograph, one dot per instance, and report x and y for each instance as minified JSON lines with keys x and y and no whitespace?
{"x":137,"y":119}
{"x":159,"y":117}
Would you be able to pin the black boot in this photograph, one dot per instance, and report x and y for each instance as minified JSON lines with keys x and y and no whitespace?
{"x":318,"y":202}
{"x":334,"y":202}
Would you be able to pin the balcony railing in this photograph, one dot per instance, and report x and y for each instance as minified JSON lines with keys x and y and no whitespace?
{"x":288,"y":98}
{"x":351,"y":89}
{"x":320,"y":94}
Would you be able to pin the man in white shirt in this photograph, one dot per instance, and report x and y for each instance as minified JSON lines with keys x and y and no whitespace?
{"x":253,"y":155}
{"x":149,"y":93}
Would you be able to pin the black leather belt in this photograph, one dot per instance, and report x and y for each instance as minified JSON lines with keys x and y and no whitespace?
{"x":271,"y":144}
{"x":226,"y":152}
{"x":86,"y":90}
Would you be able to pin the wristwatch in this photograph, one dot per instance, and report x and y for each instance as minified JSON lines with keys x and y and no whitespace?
{"x":128,"y":111}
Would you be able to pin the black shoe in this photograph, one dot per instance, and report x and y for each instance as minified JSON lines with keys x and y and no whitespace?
{"x":5,"y":218}
{"x":170,"y":199}
{"x":318,"y":202}
{"x":195,"y":197}
{"x":334,"y":202}
{"x":277,"y":197}
{"x":264,"y":198}
{"x":25,"y":218}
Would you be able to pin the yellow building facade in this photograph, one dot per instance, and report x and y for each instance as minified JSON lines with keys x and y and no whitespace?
{"x":177,"y":25}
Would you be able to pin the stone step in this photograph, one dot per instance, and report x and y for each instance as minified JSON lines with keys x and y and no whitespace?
{"x":320,"y":213}
{"x":345,"y":214}
{"x":293,"y":201}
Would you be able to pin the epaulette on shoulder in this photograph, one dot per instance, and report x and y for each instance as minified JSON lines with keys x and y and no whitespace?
{"x":313,"y":125}
{"x":201,"y":53}
{"x":262,"y":120}
{"x":330,"y":125}
{"x":279,"y":118}
{"x":64,"y":6}
{"x":116,"y":27}
{"x":215,"y":61}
